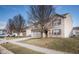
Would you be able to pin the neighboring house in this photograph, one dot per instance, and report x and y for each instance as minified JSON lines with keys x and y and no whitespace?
{"x":2,"y":31}
{"x":75,"y":31}
{"x":58,"y":26}
{"x":23,"y":33}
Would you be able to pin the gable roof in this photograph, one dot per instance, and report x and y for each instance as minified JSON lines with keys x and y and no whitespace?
{"x":60,"y":15}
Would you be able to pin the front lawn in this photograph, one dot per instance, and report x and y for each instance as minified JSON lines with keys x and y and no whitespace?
{"x":70,"y":45}
{"x":18,"y":49}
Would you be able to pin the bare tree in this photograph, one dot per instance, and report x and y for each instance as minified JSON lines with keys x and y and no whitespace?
{"x":19,"y":24}
{"x":10,"y":26}
{"x":40,"y":15}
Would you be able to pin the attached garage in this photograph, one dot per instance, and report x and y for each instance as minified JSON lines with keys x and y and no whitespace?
{"x":35,"y":33}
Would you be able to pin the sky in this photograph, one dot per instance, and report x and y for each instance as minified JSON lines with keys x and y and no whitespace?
{"x":9,"y":11}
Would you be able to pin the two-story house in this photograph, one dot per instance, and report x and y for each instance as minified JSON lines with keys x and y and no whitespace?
{"x":61,"y":26}
{"x":58,"y":26}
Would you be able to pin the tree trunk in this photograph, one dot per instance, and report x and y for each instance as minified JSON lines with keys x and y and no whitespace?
{"x":46,"y":33}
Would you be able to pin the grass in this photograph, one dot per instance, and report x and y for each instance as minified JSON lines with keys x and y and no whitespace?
{"x":70,"y":45}
{"x":18,"y":49}
{"x":12,"y":38}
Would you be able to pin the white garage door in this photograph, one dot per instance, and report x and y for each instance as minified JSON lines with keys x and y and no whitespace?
{"x":36,"y":34}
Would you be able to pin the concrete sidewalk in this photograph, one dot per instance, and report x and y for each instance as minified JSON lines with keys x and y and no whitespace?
{"x":38,"y":49}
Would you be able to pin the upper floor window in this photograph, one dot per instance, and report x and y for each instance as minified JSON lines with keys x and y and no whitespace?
{"x":57,"y":22}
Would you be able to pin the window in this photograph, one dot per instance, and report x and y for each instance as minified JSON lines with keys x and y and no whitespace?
{"x":57,"y":22}
{"x":56,"y":32}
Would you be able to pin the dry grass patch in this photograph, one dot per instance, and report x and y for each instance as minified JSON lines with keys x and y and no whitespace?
{"x":62,"y":44}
